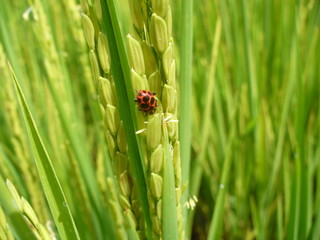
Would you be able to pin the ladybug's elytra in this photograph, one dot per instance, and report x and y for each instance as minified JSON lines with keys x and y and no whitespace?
{"x":146,"y":101}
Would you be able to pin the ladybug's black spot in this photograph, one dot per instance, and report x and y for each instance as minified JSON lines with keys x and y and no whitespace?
{"x":149,"y":93}
{"x":139,"y":100}
{"x":144,"y":105}
{"x":144,"y":91}
{"x":140,"y":94}
{"x":152,"y":101}
{"x":146,"y":99}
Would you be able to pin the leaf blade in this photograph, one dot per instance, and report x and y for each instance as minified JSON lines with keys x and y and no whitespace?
{"x":51,"y":185}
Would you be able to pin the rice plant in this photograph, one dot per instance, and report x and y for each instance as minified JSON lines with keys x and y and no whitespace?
{"x":159,"y":119}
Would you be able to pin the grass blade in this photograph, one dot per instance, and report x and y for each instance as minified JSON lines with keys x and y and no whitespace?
{"x":52,"y":188}
{"x":120,"y":70}
{"x":218,"y":213}
{"x":315,"y":231}
{"x":169,"y":220}
{"x":185,"y":77}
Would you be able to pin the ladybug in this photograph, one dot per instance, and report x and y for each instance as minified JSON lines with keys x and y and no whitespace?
{"x":146,"y":101}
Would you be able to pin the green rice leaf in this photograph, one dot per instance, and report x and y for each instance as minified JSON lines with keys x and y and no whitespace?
{"x":121,"y":73}
{"x":219,"y":208}
{"x":315,"y":230}
{"x":186,"y":52}
{"x":169,"y":219}
{"x":51,"y":186}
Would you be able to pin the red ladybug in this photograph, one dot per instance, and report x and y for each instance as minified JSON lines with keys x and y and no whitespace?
{"x":146,"y":101}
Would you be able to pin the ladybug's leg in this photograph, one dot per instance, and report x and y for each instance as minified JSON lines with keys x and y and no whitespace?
{"x":153,"y":93}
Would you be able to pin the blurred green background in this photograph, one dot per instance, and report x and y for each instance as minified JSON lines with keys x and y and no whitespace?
{"x":255,"y":149}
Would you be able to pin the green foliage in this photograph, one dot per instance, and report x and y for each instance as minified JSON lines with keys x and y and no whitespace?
{"x":248,"y":82}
